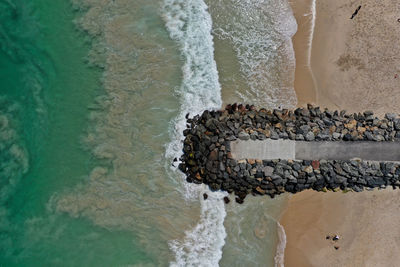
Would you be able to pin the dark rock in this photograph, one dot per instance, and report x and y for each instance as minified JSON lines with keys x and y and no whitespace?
{"x":205,"y":196}
{"x":213,"y":155}
{"x":239,"y":200}
{"x":227,"y":200}
{"x":207,"y":156}
{"x":347,"y":137}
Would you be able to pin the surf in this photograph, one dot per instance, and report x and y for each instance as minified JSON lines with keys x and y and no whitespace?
{"x":190,"y":25}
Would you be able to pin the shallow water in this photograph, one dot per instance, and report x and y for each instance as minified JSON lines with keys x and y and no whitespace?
{"x":92,"y":105}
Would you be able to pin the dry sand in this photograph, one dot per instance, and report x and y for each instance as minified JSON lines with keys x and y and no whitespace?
{"x":354,"y":62}
{"x":354,"y":65}
{"x":367,"y":224}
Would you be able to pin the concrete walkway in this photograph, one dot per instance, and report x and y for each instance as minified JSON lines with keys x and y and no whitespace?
{"x":300,"y":150}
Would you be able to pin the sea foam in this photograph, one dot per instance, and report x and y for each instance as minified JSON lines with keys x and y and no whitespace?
{"x":14,"y":164}
{"x":189,"y":23}
{"x":280,"y":250}
{"x":260,"y":32}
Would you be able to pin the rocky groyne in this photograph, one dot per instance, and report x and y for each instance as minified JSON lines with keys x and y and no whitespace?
{"x":207,"y":156}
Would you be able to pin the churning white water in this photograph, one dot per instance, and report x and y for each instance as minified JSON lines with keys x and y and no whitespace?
{"x":190,"y":25}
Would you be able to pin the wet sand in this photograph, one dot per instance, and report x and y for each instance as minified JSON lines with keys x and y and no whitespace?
{"x":304,"y":80}
{"x":353,"y":66}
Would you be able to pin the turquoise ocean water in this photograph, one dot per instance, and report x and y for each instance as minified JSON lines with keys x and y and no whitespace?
{"x":93,"y":96}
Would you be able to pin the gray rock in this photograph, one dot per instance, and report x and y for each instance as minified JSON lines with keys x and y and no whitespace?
{"x":328,"y":122}
{"x":274,"y":135}
{"x":368,"y":113}
{"x":254,"y":136}
{"x":310,"y":136}
{"x":261,"y":136}
{"x":304,"y":129}
{"x":311,"y":179}
{"x":379,"y":138}
{"x":301,"y":181}
{"x":292,"y":179}
{"x":340,"y":179}
{"x":299,"y":137}
{"x":231,"y":138}
{"x":397,"y":124}
{"x":384,"y":125}
{"x":286,"y":174}
{"x":292,"y":136}
{"x":284,"y":135}
{"x":357,"y":188}
{"x":242,"y":166}
{"x":369,"y":136}
{"x":296,"y":166}
{"x":336,"y":136}
{"x":221,"y":166}
{"x":268,"y":171}
{"x":323,"y":137}
{"x":369,"y":118}
{"x":244,"y":136}
{"x":277,"y":180}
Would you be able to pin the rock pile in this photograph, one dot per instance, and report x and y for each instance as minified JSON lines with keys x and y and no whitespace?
{"x":207,"y":156}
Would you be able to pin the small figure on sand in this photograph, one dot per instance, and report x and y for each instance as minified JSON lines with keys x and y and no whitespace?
{"x":355,"y":12}
{"x":335,"y":238}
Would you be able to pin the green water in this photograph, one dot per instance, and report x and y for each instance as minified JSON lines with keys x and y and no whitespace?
{"x":45,"y":90}
{"x":86,"y":152}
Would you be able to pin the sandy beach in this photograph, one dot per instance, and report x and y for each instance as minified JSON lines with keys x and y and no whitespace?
{"x":351,"y":65}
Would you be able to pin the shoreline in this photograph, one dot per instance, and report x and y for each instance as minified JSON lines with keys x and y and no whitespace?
{"x":354,"y":68}
{"x":304,"y":84}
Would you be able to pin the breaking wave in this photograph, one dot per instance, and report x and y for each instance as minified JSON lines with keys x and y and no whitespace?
{"x":189,"y":23}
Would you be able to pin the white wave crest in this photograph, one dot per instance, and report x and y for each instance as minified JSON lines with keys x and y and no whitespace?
{"x":189,"y":23}
{"x":202,"y":245}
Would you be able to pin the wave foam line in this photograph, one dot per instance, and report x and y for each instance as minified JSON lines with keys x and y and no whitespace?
{"x":202,"y":245}
{"x":189,"y":23}
{"x":260,"y":32}
{"x":280,"y":250}
{"x":313,"y":13}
